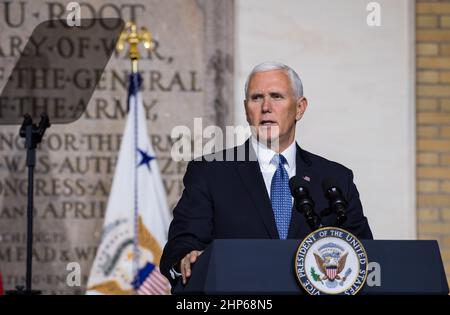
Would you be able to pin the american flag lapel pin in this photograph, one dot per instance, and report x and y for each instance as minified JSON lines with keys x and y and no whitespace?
{"x":307,"y":178}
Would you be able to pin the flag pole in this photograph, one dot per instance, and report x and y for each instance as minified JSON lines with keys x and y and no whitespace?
{"x":131,"y":36}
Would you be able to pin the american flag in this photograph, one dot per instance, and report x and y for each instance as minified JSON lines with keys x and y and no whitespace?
{"x":150,"y":281}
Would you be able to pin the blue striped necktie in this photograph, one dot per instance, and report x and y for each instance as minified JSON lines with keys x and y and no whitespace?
{"x":280,"y":196}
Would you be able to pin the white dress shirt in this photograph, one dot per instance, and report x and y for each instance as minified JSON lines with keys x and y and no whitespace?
{"x":268,"y":168}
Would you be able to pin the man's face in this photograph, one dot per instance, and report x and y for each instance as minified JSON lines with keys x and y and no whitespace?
{"x":272,"y":108}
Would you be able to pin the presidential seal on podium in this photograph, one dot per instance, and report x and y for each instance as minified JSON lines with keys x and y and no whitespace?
{"x":331,"y":261}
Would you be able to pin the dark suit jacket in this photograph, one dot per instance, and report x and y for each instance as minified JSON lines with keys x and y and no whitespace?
{"x":228,"y":199}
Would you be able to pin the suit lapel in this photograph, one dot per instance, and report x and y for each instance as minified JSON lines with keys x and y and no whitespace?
{"x":298,"y":227}
{"x":253,"y":180}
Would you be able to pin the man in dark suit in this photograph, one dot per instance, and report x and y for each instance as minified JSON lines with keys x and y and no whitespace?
{"x":246,"y":194}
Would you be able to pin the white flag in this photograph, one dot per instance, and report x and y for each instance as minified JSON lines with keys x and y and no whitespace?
{"x":137,"y":215}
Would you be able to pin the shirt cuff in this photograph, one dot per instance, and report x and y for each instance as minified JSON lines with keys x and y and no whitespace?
{"x":174,"y":274}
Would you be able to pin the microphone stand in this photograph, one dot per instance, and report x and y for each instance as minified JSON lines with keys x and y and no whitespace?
{"x":33,"y":135}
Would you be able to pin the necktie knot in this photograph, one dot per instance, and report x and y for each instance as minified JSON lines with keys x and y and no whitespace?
{"x":279,"y":159}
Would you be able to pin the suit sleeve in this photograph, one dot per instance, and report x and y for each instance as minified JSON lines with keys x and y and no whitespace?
{"x":356,"y":221}
{"x":192,"y":224}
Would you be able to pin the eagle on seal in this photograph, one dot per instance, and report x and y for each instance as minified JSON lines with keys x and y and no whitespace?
{"x":331,"y":267}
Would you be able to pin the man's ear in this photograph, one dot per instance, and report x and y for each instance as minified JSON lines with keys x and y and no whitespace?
{"x":302,"y":104}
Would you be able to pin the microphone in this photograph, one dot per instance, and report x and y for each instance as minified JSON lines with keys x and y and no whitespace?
{"x":337,"y":201}
{"x":304,"y":203}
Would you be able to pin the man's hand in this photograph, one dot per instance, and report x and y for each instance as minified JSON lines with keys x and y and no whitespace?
{"x":186,"y":262}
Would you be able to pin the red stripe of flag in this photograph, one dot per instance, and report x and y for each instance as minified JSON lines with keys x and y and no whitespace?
{"x":158,"y":281}
{"x":150,"y":289}
{"x":143,"y":291}
{"x":154,"y":287}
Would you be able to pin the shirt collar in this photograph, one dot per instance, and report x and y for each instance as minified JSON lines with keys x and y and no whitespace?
{"x":265,"y":154}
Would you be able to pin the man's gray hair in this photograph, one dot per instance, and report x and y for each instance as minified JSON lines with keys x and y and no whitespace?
{"x":296,"y":83}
